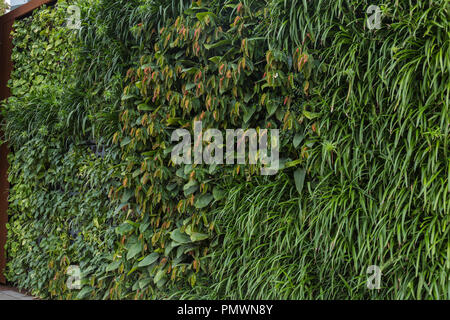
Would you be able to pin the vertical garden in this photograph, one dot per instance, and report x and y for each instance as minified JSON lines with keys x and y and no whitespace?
{"x":364,"y":123}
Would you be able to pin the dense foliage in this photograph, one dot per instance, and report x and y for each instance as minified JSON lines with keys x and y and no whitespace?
{"x":364,"y":139}
{"x":3,"y":7}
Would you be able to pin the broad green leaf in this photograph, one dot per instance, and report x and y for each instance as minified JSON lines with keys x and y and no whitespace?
{"x":203,"y":200}
{"x":134,"y":250}
{"x":128,"y":96}
{"x":113,"y":265}
{"x":216,"y":59}
{"x":180,"y":237}
{"x":124,"y":228}
{"x":203,"y":15}
{"x":310,"y":115}
{"x":84,"y":292}
{"x":218,"y":193}
{"x":217,"y":44}
{"x":249,"y":111}
{"x":299,"y":177}
{"x":159,"y":275}
{"x":125,"y":141}
{"x":144,"y":107}
{"x":298,"y":138}
{"x":195,"y":236}
{"x":126,"y":196}
{"x":271,"y":108}
{"x":189,"y":86}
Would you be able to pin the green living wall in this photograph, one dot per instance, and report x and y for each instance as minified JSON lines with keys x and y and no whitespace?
{"x":364,"y":150}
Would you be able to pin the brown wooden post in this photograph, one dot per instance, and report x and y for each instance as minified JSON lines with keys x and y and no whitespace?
{"x":6,"y":22}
